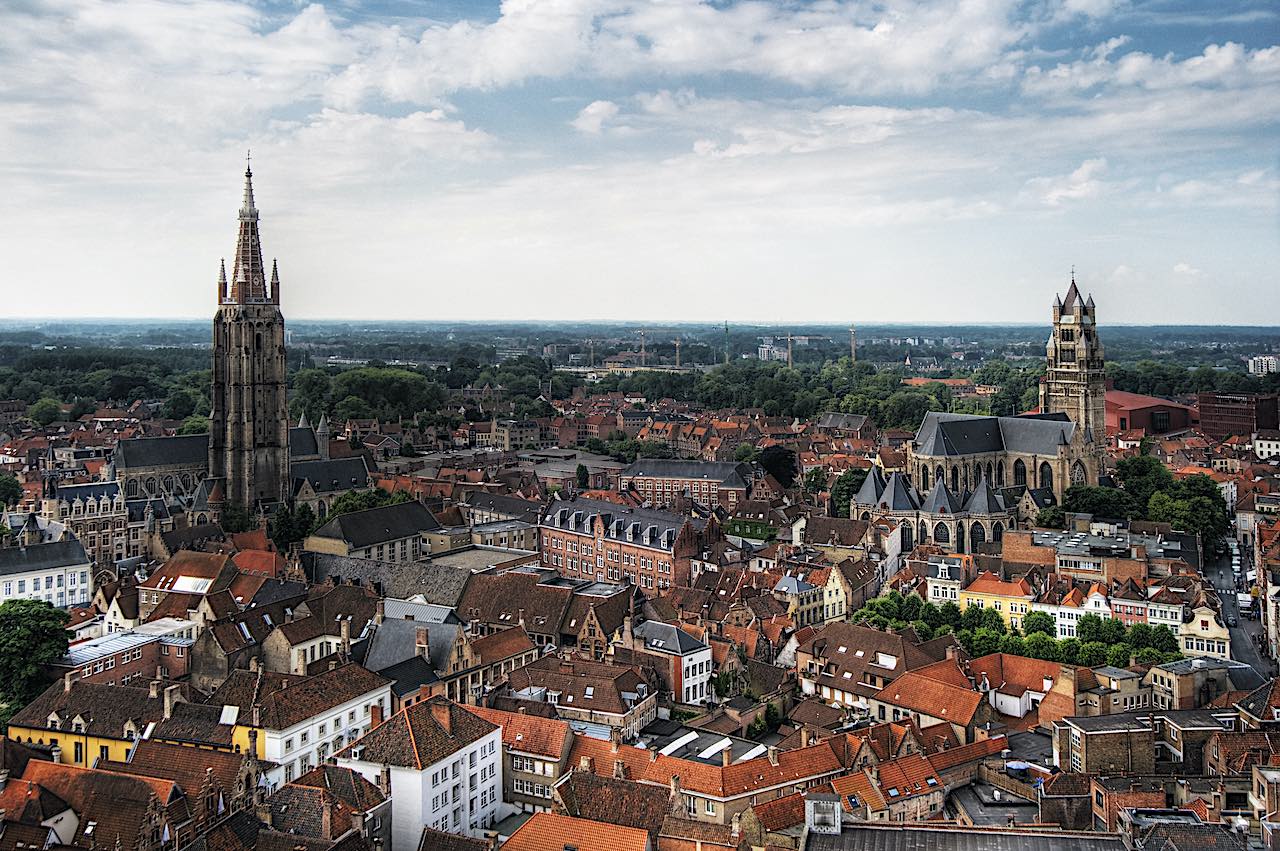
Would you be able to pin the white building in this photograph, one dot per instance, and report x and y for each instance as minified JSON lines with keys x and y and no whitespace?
{"x":689,"y":660}
{"x":445,"y":765}
{"x":58,"y":572}
{"x":1264,"y":364}
{"x":1266,"y":444}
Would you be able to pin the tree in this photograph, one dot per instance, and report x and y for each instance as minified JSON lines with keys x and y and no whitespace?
{"x":10,"y":490}
{"x":1118,"y":655}
{"x":1150,"y":656}
{"x":1041,"y":646}
{"x":1164,"y":640}
{"x":950,"y":614}
{"x":992,"y":620}
{"x":815,"y":481}
{"x":1111,"y":503}
{"x":290,"y":525}
{"x":236,"y":518}
{"x":1092,"y":654}
{"x":1070,"y":650}
{"x":1112,"y":632}
{"x":1014,"y":645}
{"x":45,"y":411}
{"x":1139,"y":636}
{"x":745,"y":452}
{"x":583,"y":476}
{"x":779,"y":462}
{"x":33,"y":635}
{"x":180,"y":404}
{"x":1141,"y":477}
{"x":1051,"y":517}
{"x":1039,"y":622}
{"x":985,"y":641}
{"x":1089,"y":629}
{"x":352,"y":408}
{"x":196,"y":424}
{"x":845,"y":489}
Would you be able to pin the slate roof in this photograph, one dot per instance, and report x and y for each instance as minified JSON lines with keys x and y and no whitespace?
{"x":866,"y":836}
{"x":288,"y":700}
{"x":666,"y":638}
{"x":337,"y":475}
{"x":984,"y":499}
{"x":730,"y":474}
{"x":941,"y":500}
{"x":184,"y":450}
{"x":394,"y":640}
{"x":197,"y":723}
{"x":898,"y":494}
{"x":374,"y":526}
{"x":302,"y":441}
{"x":872,"y":488}
{"x":944,"y":434}
{"x":345,"y":784}
{"x":579,"y":514}
{"x":420,"y":735}
{"x":512,"y":506}
{"x":54,"y":555}
{"x":183,"y":765}
{"x":847,"y":422}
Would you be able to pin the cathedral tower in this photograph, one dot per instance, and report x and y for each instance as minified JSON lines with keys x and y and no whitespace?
{"x":1075,"y":383}
{"x":249,"y":440}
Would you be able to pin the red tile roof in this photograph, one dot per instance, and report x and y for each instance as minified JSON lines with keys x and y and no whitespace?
{"x":552,"y":832}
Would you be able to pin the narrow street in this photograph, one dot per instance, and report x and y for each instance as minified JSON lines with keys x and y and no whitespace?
{"x":1243,"y":646}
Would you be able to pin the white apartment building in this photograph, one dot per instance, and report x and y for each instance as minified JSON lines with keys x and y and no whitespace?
{"x":57,"y":572}
{"x":445,"y":767}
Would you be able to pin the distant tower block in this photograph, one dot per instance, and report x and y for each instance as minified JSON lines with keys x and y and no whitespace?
{"x":677,"y":342}
{"x":642,"y":350}
{"x":853,"y":344}
{"x":788,"y":348}
{"x":726,"y":342}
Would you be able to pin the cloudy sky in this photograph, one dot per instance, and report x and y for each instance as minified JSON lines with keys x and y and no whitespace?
{"x":673,"y":159}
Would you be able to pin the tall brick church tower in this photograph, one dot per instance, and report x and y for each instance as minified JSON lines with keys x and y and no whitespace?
{"x":1075,"y":383}
{"x":249,"y":440}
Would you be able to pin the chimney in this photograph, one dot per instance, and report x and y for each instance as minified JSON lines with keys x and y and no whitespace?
{"x":520,"y":618}
{"x":263,"y":812}
{"x":255,"y":717}
{"x":384,"y":779}
{"x":653,"y":755}
{"x":615,"y":739}
{"x":172,"y":695}
{"x":773,"y":755}
{"x":381,"y":613}
{"x":675,"y":787}
{"x":422,"y":643}
{"x":253,"y":664}
{"x":153,"y":688}
{"x":726,"y":756}
{"x":357,"y":823}
{"x":68,"y":680}
{"x":619,"y":769}
{"x":586,"y":764}
{"x":345,"y":631}
{"x":375,"y":715}
{"x":440,"y":712}
{"x":326,"y":818}
{"x":55,"y":754}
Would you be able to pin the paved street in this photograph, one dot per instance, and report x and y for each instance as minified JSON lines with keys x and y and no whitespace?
{"x":1243,"y":648}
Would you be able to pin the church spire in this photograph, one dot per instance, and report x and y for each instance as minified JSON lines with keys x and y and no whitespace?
{"x":248,"y":278}
{"x":222,"y":279}
{"x":275,"y":282}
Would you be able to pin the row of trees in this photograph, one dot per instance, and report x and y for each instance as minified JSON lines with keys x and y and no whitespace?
{"x":1149,"y":491}
{"x":1098,"y":641}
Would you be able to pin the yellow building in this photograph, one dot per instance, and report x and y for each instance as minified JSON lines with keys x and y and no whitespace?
{"x":1011,"y":599}
{"x":89,"y":721}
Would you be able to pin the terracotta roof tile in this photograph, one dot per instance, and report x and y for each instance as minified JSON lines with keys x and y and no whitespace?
{"x":552,"y":832}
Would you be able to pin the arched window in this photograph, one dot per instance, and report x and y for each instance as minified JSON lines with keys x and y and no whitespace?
{"x":168,"y":484}
{"x":960,"y":538}
{"x":131,"y":488}
{"x":1019,"y":473}
{"x":999,"y":474}
{"x":939,"y":475}
{"x":955,"y":478}
{"x":989,"y":478}
{"x":977,"y":535}
{"x":941,"y":533}
{"x":924,"y":531}
{"x":924,"y":478}
{"x":907,"y":536}
{"x":151,"y":485}
{"x":1079,"y":475}
{"x":997,"y":531}
{"x":866,"y":515}
{"x":1046,"y":475}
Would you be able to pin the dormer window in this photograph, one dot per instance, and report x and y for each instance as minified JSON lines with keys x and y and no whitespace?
{"x":54,"y":723}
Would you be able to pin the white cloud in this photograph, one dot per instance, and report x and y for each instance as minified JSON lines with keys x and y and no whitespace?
{"x":594,"y":116}
{"x":1082,"y":184}
{"x":1186,"y":269}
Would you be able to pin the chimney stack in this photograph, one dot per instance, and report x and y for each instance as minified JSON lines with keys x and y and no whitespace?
{"x":440,"y":712}
{"x":172,"y":695}
{"x":68,"y":680}
{"x":726,"y":756}
{"x":375,"y":715}
{"x":153,"y":688}
{"x":773,"y":755}
{"x":422,"y":643}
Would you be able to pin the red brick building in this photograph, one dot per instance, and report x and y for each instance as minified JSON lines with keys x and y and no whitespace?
{"x":131,"y":658}
{"x":660,"y":482}
{"x":1244,"y":414}
{"x":1153,"y":415}
{"x":591,"y":539}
